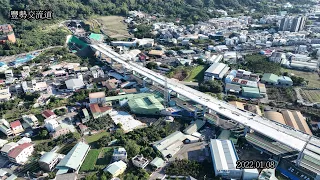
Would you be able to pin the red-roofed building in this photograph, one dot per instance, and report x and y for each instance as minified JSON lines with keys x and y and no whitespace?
{"x":21,"y":153}
{"x":16,"y":127}
{"x":98,"y":111}
{"x":48,"y":114}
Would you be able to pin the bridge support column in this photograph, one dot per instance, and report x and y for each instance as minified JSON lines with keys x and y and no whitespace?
{"x":143,"y":81}
{"x":246,"y":130}
{"x":178,"y":95}
{"x":204,"y":110}
{"x":100,"y":55}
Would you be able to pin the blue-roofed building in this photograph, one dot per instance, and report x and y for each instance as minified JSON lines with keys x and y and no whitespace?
{"x":22,"y":60}
{"x":49,"y":160}
{"x":3,"y":66}
{"x":74,"y":159}
{"x":285,"y":81}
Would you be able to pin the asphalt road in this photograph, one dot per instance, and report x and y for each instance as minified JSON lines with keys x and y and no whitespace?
{"x":8,"y":59}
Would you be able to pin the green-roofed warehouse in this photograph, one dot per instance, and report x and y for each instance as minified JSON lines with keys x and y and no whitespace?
{"x":145,"y":105}
{"x":74,"y":159}
{"x":142,"y":103}
{"x":76,"y":44}
{"x":269,"y":78}
{"x":251,"y":92}
{"x":96,"y":37}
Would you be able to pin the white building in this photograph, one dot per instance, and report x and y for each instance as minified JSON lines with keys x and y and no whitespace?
{"x":21,"y":153}
{"x":224,"y":158}
{"x":277,"y":57}
{"x":49,"y":160}
{"x":74,"y":84}
{"x":33,"y":86}
{"x":230,"y":56}
{"x":215,"y":58}
{"x":3,"y":142}
{"x":5,"y":94}
{"x":51,"y":124}
{"x":140,"y":161}
{"x":119,"y":154}
{"x":5,"y":127}
{"x":31,"y":120}
{"x":216,"y":71}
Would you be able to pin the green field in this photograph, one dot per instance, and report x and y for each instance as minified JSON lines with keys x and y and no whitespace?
{"x":312,"y":77}
{"x":97,"y":158}
{"x":113,"y":26}
{"x":312,"y":96}
{"x":196,"y":74}
{"x":90,"y":161}
{"x":95,"y":137}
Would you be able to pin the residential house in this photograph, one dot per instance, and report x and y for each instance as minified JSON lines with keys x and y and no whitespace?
{"x":59,"y":131}
{"x":24,"y":140}
{"x":5,"y":94}
{"x":49,"y":160}
{"x":111,"y":84}
{"x":157,"y":162}
{"x":98,"y":111}
{"x":3,"y":142}
{"x":8,"y":147}
{"x":86,"y":116}
{"x":5,"y":127}
{"x":21,"y":153}
{"x":33,"y":86}
{"x":97,"y":97}
{"x":51,"y":124}
{"x":119,"y":154}
{"x":31,"y":120}
{"x":116,"y":168}
{"x":74,"y":84}
{"x":140,"y":161}
{"x":83,"y":128}
{"x":16,"y":127}
{"x":48,"y":114}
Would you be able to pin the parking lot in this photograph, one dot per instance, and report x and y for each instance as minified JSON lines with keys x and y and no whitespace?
{"x":195,"y":151}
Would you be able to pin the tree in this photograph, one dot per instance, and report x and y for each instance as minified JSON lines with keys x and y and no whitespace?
{"x":211,"y":86}
{"x":44,"y":134}
{"x":152,"y":65}
{"x":132,"y":148}
{"x":297,"y":81}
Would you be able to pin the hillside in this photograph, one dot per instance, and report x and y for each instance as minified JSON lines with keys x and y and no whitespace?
{"x":31,"y":36}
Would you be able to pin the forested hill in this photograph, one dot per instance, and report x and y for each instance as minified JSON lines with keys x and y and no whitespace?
{"x":187,"y":9}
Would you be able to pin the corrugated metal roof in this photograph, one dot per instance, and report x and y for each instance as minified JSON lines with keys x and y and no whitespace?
{"x":269,"y":77}
{"x":275,"y":116}
{"x":48,"y":157}
{"x":73,"y":159}
{"x":114,"y":167}
{"x":216,"y":68}
{"x":224,"y":154}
